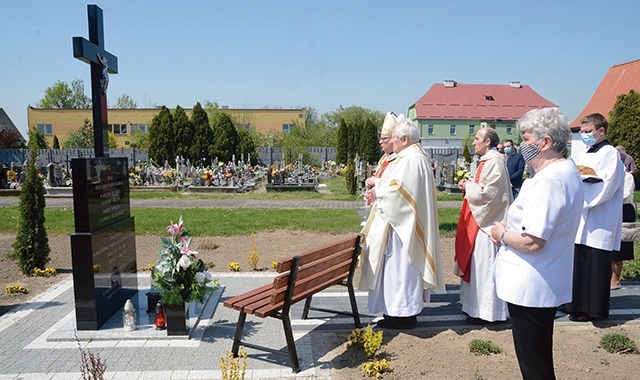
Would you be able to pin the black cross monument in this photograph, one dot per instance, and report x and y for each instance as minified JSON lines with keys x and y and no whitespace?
{"x":103,"y":248}
{"x":102,"y":62}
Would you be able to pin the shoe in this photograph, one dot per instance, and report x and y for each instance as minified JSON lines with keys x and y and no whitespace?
{"x":477,"y":321}
{"x":616,"y":287}
{"x":397,"y":323}
{"x":580,"y":318}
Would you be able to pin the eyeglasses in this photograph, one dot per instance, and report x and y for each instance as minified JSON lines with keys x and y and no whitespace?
{"x":384,"y":138}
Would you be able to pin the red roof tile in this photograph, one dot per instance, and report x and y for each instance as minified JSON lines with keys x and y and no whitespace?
{"x":478,"y":101}
{"x":618,"y":80}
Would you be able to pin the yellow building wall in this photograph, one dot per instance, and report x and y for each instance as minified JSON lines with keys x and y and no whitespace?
{"x":64,"y":121}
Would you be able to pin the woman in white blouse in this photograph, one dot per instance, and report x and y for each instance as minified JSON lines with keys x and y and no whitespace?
{"x":534,"y":269}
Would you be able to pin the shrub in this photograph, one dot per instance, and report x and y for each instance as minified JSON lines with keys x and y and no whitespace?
{"x":376,"y":369}
{"x":367,"y":339}
{"x":31,"y":246}
{"x":484,"y":347}
{"x":233,"y":266}
{"x":10,"y":289}
{"x":618,"y":343}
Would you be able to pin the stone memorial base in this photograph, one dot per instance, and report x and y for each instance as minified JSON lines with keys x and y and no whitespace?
{"x":453,"y":189}
{"x":59,"y":192}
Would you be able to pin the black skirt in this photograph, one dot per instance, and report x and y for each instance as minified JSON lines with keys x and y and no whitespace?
{"x":626,"y":247}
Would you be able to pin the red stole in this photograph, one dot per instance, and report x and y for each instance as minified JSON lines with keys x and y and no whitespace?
{"x":466,"y":234}
{"x":383,"y":166}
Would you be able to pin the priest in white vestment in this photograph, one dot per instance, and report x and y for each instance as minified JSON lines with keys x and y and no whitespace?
{"x":486,"y":200}
{"x":400,"y":259}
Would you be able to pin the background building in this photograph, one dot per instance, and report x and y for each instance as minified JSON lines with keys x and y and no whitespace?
{"x":620,"y":79}
{"x":127,"y":122}
{"x":450,"y":111}
{"x":7,"y":124}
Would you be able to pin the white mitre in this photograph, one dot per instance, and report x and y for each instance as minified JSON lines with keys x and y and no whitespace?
{"x":389,"y":123}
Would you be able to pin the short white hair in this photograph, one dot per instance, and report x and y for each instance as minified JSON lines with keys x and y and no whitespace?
{"x":546,"y":122}
{"x":407,"y":128}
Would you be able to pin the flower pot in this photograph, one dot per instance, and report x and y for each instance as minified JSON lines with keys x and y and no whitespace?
{"x":177,"y":319}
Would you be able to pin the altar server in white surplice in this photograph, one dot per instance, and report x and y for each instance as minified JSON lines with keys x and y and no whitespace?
{"x":486,"y":200}
{"x":401,"y":261}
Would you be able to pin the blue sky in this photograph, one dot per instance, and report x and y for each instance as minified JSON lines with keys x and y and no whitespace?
{"x":382,"y":55}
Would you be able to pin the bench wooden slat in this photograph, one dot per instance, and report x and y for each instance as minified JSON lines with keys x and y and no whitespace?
{"x":281,"y":281}
{"x":244,"y":297}
{"x":315,"y":254}
{"x":315,"y":283}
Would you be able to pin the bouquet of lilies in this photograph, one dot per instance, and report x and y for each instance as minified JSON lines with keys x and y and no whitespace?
{"x":179,"y":275}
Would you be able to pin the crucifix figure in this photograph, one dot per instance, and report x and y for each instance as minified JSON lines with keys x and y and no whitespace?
{"x":93,"y":53}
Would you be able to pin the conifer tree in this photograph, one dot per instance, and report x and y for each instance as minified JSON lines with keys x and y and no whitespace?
{"x":56,"y":142}
{"x":350,"y":177}
{"x":225,"y":137}
{"x":161,"y":137}
{"x":369,"y":142}
{"x":624,"y":124}
{"x":203,"y":136}
{"x":342,"y":150}
{"x":247,"y":145}
{"x":184,"y":132}
{"x":32,"y":244}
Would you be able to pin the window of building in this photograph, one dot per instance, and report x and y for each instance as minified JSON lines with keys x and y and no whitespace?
{"x":45,"y":129}
{"x":452,"y":129}
{"x":286,"y":128}
{"x":118,"y":129}
{"x":509,"y":129}
{"x":138,"y":128}
{"x":430,"y":129}
{"x":472,"y":129}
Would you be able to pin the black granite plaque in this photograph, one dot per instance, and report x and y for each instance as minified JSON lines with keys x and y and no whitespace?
{"x":103,"y":248}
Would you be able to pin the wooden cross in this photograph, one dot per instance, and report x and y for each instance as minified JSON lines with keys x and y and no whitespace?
{"x":102,"y":62}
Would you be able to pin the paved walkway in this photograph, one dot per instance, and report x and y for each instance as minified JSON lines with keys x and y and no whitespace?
{"x":37,"y":339}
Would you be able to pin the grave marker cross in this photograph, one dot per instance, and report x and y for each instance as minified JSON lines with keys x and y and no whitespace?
{"x":102,"y":62}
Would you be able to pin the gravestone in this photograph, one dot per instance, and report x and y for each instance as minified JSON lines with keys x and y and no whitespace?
{"x":103,"y":247}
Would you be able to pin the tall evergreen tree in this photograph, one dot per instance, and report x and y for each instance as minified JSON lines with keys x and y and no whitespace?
{"x":247,"y":145}
{"x":32,"y":244}
{"x":203,"y":136}
{"x":162,"y":137}
{"x":350,"y":177}
{"x":184,"y":132}
{"x":369,"y":142}
{"x":56,"y":142}
{"x":342,"y":150}
{"x":624,"y":124}
{"x":225,"y":137}
{"x":355,"y":129}
{"x":37,"y":139}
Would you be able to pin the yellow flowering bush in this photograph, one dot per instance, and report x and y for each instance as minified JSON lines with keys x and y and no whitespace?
{"x":234,"y":266}
{"x":367,"y":339}
{"x":11,"y":289}
{"x":47,"y":272}
{"x":376,"y":369}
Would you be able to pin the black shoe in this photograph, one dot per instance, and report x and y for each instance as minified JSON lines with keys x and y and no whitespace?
{"x":397,"y":323}
{"x":477,"y":321}
{"x":580,"y":318}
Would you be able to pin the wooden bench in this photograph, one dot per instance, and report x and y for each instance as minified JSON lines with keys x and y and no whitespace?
{"x":300,"y":277}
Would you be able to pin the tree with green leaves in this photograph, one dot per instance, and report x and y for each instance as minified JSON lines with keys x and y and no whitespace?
{"x":31,"y":246}
{"x":225,"y":137}
{"x":126,"y":102}
{"x":203,"y":136}
{"x":342,"y":148}
{"x":350,"y":177}
{"x":37,"y":139}
{"x":247,"y":145}
{"x":56,"y":142}
{"x":369,"y":143}
{"x":624,"y":124}
{"x":63,"y":95}
{"x":80,"y":138}
{"x":184,"y":132}
{"x":162,"y":146}
{"x":355,"y":129}
{"x":113,"y":141}
{"x":10,"y":138}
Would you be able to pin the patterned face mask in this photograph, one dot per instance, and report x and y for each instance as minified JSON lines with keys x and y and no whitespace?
{"x":529,"y":151}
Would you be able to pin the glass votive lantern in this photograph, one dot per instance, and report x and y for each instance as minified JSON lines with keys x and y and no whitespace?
{"x":160,"y":317}
{"x":129,"y":316}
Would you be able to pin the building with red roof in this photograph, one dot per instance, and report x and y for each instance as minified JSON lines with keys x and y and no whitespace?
{"x":620,"y":79}
{"x":450,"y":111}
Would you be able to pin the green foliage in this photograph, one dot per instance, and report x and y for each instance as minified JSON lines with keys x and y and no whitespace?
{"x":483,"y":347}
{"x":80,"y":138}
{"x":61,"y":95}
{"x":369,"y":143}
{"x":10,"y":138}
{"x":342,"y":150}
{"x":624,"y":120}
{"x":184,"y":132}
{"x":631,"y":268}
{"x":203,"y":136}
{"x":367,"y":339}
{"x":32,"y":244}
{"x":139,"y":140}
{"x":618,"y":343}
{"x":350,"y":177}
{"x":126,"y":102}
{"x":354,"y":138}
{"x":225,"y":137}
{"x":466,"y":147}
{"x":56,"y":142}
{"x":37,"y":140}
{"x":113,"y":142}
{"x":162,"y":143}
{"x":247,"y":145}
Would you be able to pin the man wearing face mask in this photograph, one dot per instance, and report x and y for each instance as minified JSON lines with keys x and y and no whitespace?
{"x":600,"y":225}
{"x":515,"y":165}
